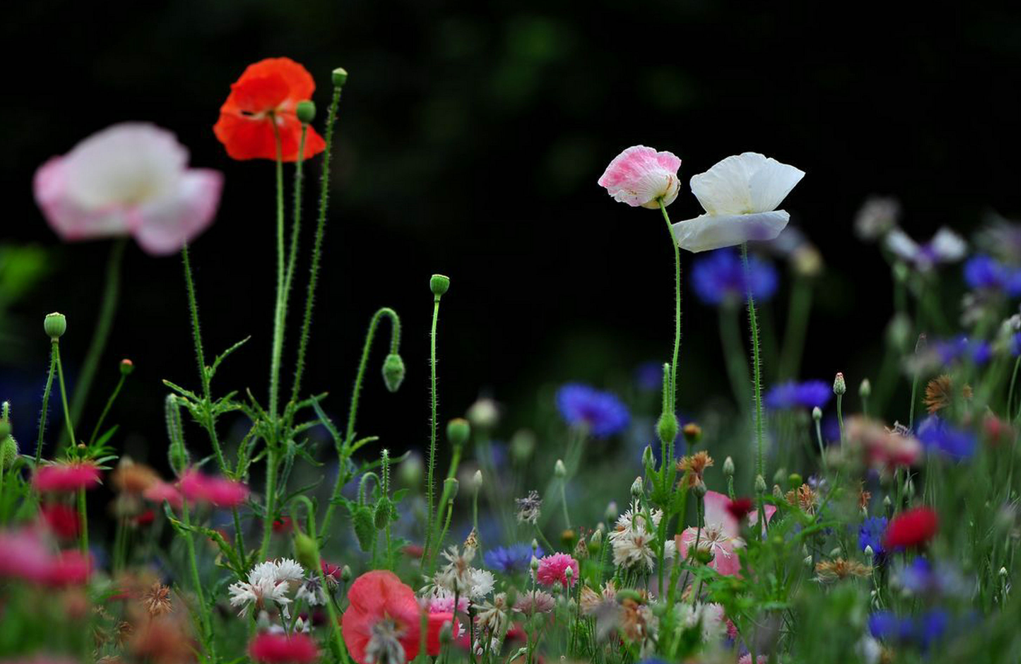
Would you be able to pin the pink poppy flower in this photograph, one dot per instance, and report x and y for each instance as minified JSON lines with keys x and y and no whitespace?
{"x":161,"y":491}
{"x":66,"y":477}
{"x":129,"y":179}
{"x":297,"y":648}
{"x":218,"y":491}
{"x":641,"y":176}
{"x":553,"y":569}
{"x":880,"y":447}
{"x":721,"y":535}
{"x":383,"y":618}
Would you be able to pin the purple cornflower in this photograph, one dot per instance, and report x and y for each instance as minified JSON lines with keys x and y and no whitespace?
{"x":922,"y":631}
{"x":987,"y":273}
{"x":921,"y":577}
{"x":602,"y":413}
{"x":720,"y":277}
{"x":939,"y":436}
{"x":871,"y":534}
{"x":790,"y":395}
{"x":510,"y":559}
{"x":951,"y":350}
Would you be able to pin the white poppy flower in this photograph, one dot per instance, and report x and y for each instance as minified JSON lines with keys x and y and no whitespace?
{"x":740,"y":195}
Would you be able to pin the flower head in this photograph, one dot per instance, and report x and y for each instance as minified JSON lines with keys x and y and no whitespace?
{"x":129,"y":179}
{"x":913,"y":527}
{"x":62,"y":520}
{"x":533,"y":602}
{"x":381,"y":625}
{"x":66,"y":477}
{"x":740,"y":195}
{"x":601,"y":413}
{"x":880,"y":447}
{"x":877,"y":216}
{"x":634,"y":536}
{"x":529,"y":507}
{"x":839,"y":569}
{"x":270,"y":648}
{"x":937,"y":435}
{"x":641,"y":176}
{"x":511,"y":559}
{"x":983,"y":272}
{"x":553,"y":570}
{"x":261,"y":110}
{"x":945,"y":246}
{"x":721,"y":534}
{"x":791,"y":395}
{"x":871,"y":534}
{"x":24,"y":555}
{"x":218,"y":491}
{"x":720,"y":277}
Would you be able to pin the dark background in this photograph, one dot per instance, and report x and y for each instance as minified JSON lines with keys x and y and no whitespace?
{"x":470,"y":139}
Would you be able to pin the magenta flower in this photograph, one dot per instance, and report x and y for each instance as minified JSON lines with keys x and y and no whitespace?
{"x":161,"y":491}
{"x":553,"y":569}
{"x":221,"y":492}
{"x":296,"y":648}
{"x":129,"y":179}
{"x":24,"y":555}
{"x":66,"y":477}
{"x":641,"y":176}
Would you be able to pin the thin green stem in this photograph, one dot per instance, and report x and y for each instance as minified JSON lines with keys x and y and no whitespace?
{"x":317,"y":249}
{"x":840,"y":416}
{"x":83,"y":516}
{"x":106,"y":409}
{"x":430,"y":489}
{"x":107,"y":311}
{"x":735,"y":358}
{"x":677,"y":305}
{"x":756,"y":367}
{"x":1010,"y":392}
{"x":299,"y":180}
{"x":46,"y":402}
{"x":563,"y":498}
{"x":279,"y":311}
{"x":797,"y":325}
{"x":207,"y":628}
{"x":63,"y":392}
{"x":271,"y":488}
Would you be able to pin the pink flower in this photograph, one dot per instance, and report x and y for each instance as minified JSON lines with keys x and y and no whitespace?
{"x":219,"y":491}
{"x":721,"y":535}
{"x":297,"y":648}
{"x":62,"y":520}
{"x":881,"y":448}
{"x":553,"y":569}
{"x":161,"y":491}
{"x":640,"y":176}
{"x":24,"y":555}
{"x":129,"y":179}
{"x":66,"y":477}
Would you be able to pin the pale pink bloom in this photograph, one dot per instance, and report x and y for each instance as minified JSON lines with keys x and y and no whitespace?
{"x":25,"y":555}
{"x":740,"y":195}
{"x":553,"y":569}
{"x":129,"y":179}
{"x":160,"y":491}
{"x":219,"y":491}
{"x":881,"y":448}
{"x":66,"y":477}
{"x":721,"y":534}
{"x":640,"y":176}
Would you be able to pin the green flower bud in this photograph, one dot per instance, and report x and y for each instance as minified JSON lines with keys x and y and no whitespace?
{"x":439,"y":284}
{"x":667,"y":427}
{"x":346,"y":574}
{"x":692,"y":433}
{"x":339,"y":77}
{"x":522,"y":445}
{"x":817,"y":413}
{"x":701,"y":489}
{"x":794,"y":480}
{"x":393,"y":371}
{"x":381,"y":516}
{"x":728,"y":467}
{"x":55,"y":325}
{"x":760,"y":484}
{"x":869,"y":553}
{"x":305,"y":550}
{"x":484,"y":413}
{"x":704,"y":556}
{"x":477,"y":481}
{"x":306,"y":111}
{"x":458,"y":431}
{"x":637,"y":487}
{"x":127,"y":366}
{"x":450,"y":488}
{"x":839,"y":386}
{"x":777,"y":493}
{"x":865,"y":389}
{"x":8,"y":448}
{"x":648,"y":459}
{"x":595,"y":541}
{"x":5,"y":429}
{"x":560,"y":470}
{"x":446,"y":633}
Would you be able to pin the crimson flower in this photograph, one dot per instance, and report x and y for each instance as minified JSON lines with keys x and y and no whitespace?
{"x":262,"y":107}
{"x":66,"y":477}
{"x":297,"y":648}
{"x":911,"y":528}
{"x":382,"y":623}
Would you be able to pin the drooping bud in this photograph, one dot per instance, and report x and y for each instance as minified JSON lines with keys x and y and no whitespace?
{"x":839,"y":386}
{"x":666,"y":427}
{"x":458,"y":431}
{"x":305,"y":550}
{"x":339,"y":77}
{"x":393,"y":372}
{"x":127,"y":367}
{"x":439,"y":284}
{"x":559,"y":469}
{"x":728,"y":467}
{"x":865,"y":389}
{"x":306,"y":111}
{"x":692,"y":433}
{"x":55,"y":325}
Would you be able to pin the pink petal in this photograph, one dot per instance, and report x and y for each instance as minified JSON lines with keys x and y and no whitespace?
{"x":716,"y":512}
{"x":639,"y":176}
{"x":162,"y":227}
{"x":68,"y":217}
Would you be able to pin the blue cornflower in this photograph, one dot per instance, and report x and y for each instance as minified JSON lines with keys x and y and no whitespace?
{"x":921,"y":577}
{"x":720,"y":277}
{"x":887,"y":626}
{"x":987,"y":273}
{"x":790,"y":395}
{"x":922,"y":631}
{"x":962,"y":348}
{"x":510,"y":559}
{"x":871,"y":534}
{"x":938,"y":436}
{"x":649,"y":376}
{"x":1015,"y":344}
{"x":602,"y":413}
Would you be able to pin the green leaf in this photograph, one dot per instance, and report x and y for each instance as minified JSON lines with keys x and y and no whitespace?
{"x":223,"y":356}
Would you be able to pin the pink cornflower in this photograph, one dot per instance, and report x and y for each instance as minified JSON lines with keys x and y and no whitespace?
{"x":218,"y":491}
{"x":721,"y":534}
{"x":641,"y":176}
{"x":62,"y":520}
{"x":161,"y":491}
{"x":24,"y":555}
{"x":553,"y":569}
{"x":66,"y":477}
{"x":297,"y":648}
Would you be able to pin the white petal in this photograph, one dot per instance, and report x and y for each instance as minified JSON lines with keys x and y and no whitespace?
{"x":745,"y":183}
{"x":162,"y":227}
{"x":709,"y":232}
{"x":903,"y":246}
{"x":948,"y":245}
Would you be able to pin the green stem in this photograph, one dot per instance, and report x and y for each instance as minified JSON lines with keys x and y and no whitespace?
{"x":279,"y":312}
{"x":677,"y":305}
{"x":271,"y":487}
{"x":840,"y":416}
{"x":794,"y":331}
{"x":299,"y":180}
{"x":563,"y":498}
{"x":317,"y":249}
{"x":46,"y":402}
{"x":63,"y":392}
{"x":207,"y":628}
{"x":111,"y":293}
{"x":430,"y":489}
{"x":83,"y":515}
{"x":756,"y":367}
{"x":106,"y":409}
{"x":734,"y":356}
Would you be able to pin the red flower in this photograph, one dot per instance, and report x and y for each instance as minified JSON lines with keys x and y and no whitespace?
{"x":62,"y":520}
{"x":911,"y":528}
{"x":267,"y":92}
{"x":145,"y":518}
{"x":739,"y":508}
{"x":282,"y":525}
{"x":413,"y":550}
{"x":436,"y":623}
{"x":383,"y":616}
{"x":66,"y":477}
{"x":283,"y":649}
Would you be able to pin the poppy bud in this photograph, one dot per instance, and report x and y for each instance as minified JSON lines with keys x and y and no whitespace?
{"x":458,"y":431}
{"x":382,"y":514}
{"x":393,"y":371}
{"x":483,"y":414}
{"x":55,"y":325}
{"x":692,"y":433}
{"x":306,"y":111}
{"x":439,"y":284}
{"x":794,"y":480}
{"x":728,"y":467}
{"x":865,"y":389}
{"x":701,"y":489}
{"x":346,"y":574}
{"x":339,"y":77}
{"x":839,"y":386}
{"x":127,"y":366}
{"x":560,"y":470}
{"x":8,"y":446}
{"x":704,"y":556}
{"x":305,"y":550}
{"x":666,"y":427}
{"x":648,"y":459}
{"x":817,"y":413}
{"x":450,"y":487}
{"x":760,"y":484}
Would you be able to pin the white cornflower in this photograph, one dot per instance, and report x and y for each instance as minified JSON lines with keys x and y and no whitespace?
{"x":634,"y":539}
{"x":456,"y":575}
{"x":482,"y":583}
{"x":945,"y":246}
{"x":707,"y":617}
{"x":268,"y":581}
{"x":289,"y":570}
{"x":311,"y":592}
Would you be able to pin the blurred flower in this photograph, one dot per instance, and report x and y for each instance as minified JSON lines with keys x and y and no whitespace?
{"x":984,"y":272}
{"x":164,"y":491}
{"x":435,"y":624}
{"x":739,"y":508}
{"x":740,"y":195}
{"x":601,"y":413}
{"x":533,"y":602}
{"x":529,"y":507}
{"x":945,"y":246}
{"x":62,"y":520}
{"x":649,"y":376}
{"x":720,"y":535}
{"x":132,"y":477}
{"x":66,"y":477}
{"x":1001,"y":238}
{"x":910,"y":528}
{"x":719,"y":278}
{"x":24,"y":555}
{"x":922,"y":578}
{"x":871,"y":534}
{"x":381,"y":624}
{"x":839,"y":569}
{"x":270,"y":648}
{"x":511,"y":559}
{"x":939,"y":436}
{"x":553,"y":569}
{"x":790,"y":395}
{"x":879,"y":447}
{"x":218,"y":491}
{"x":260,"y":110}
{"x":922,"y":631}
{"x":641,"y":176}
{"x":129,"y":179}
{"x":877,"y":216}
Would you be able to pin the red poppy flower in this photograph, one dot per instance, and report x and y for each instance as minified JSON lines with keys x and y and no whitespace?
{"x":267,"y":92}
{"x":283,"y":649}
{"x":911,"y":528}
{"x":383,"y":615}
{"x":436,"y":623}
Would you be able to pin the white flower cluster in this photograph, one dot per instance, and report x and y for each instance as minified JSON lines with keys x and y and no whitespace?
{"x":267,"y":582}
{"x":634,"y":539}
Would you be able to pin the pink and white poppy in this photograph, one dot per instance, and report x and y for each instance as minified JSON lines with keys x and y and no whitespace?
{"x":641,"y":176}
{"x":721,"y":534}
{"x":740,"y":195}
{"x":129,"y":179}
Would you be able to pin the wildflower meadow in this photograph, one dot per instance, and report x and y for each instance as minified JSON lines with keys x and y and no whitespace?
{"x":797,"y":515}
